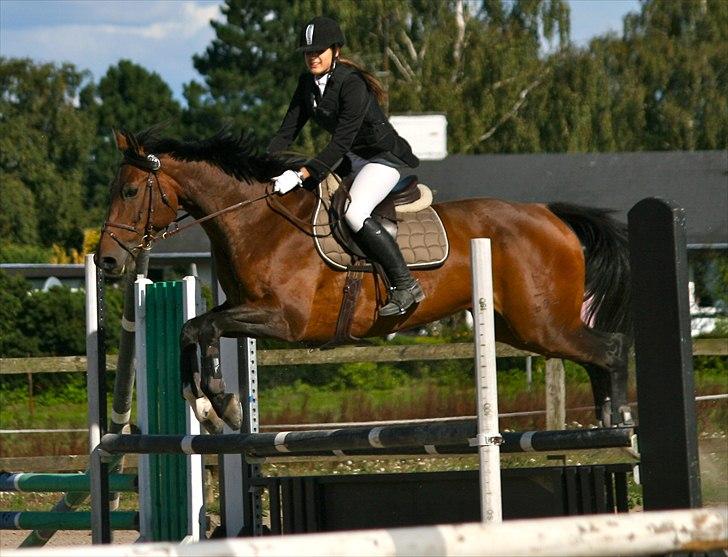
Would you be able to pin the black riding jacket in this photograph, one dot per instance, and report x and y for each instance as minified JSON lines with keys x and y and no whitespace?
{"x":350,"y":112}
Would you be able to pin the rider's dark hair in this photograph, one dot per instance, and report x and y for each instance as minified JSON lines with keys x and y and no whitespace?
{"x":374,"y":85}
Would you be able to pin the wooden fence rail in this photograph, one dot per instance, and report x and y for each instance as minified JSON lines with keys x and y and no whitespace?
{"x":344,"y":354}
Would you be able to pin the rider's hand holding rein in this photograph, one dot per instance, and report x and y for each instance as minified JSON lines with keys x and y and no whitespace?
{"x":287,"y":181}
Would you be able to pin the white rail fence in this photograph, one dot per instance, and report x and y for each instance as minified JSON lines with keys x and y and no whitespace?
{"x":647,"y":533}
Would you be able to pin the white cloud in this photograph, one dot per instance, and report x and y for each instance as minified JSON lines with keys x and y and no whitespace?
{"x":162,"y":36}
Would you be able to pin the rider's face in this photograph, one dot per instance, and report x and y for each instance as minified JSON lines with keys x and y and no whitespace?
{"x":319,"y":62}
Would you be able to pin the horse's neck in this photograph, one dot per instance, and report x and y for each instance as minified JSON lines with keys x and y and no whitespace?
{"x":206,"y":190}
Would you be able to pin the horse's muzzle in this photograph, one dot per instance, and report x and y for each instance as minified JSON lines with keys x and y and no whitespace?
{"x":110,"y":265}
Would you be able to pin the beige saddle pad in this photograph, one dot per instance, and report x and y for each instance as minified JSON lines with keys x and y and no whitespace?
{"x":421,"y":235}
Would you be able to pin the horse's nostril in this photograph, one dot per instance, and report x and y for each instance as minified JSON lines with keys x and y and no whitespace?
{"x":108,"y":263}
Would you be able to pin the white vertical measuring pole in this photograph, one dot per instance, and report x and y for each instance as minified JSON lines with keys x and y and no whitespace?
{"x":489,"y":438}
{"x":146,"y":512}
{"x":196,"y":523}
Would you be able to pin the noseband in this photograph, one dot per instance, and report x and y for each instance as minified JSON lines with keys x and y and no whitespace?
{"x":151,"y":164}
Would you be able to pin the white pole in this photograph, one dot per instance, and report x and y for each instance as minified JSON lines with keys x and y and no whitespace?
{"x":92,"y":351}
{"x":191,"y":302}
{"x":600,"y":535}
{"x":146,"y":512}
{"x":232,"y":468}
{"x":94,"y":404}
{"x":489,"y":438}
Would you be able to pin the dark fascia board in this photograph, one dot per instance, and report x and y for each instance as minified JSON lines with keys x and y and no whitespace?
{"x":694,"y":180}
{"x":44,"y":270}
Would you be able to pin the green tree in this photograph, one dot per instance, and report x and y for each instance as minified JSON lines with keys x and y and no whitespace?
{"x":661,"y":85}
{"x":37,"y":323}
{"x":18,"y":218}
{"x":474,"y":61}
{"x":250,"y":68}
{"x":13,"y":343}
{"x":128,"y":96}
{"x":687,"y":98}
{"x":45,"y":142}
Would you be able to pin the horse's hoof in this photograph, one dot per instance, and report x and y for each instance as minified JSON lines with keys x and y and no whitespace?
{"x":625,"y":413}
{"x":204,"y":411}
{"x":212,"y":424}
{"x":606,"y":413}
{"x":231,"y":411}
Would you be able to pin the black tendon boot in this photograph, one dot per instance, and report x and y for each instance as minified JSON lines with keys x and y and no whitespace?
{"x":379,"y":245}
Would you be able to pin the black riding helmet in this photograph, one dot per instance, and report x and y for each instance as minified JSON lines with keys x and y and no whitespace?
{"x":319,"y":34}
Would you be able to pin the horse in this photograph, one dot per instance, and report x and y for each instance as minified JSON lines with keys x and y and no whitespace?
{"x":560,"y":271}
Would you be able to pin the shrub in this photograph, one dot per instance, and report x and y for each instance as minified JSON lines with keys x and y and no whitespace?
{"x":52,"y":323}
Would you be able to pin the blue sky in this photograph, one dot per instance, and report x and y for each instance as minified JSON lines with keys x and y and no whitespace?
{"x":162,"y":35}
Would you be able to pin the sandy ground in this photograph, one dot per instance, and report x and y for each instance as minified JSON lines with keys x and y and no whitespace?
{"x":11,"y":539}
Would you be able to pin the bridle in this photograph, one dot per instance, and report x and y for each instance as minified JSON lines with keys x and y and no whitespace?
{"x":151,"y":164}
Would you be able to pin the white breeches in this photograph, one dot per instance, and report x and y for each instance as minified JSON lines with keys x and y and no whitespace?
{"x":372,"y":184}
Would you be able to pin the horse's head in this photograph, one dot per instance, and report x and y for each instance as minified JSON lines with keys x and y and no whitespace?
{"x":143,"y":201}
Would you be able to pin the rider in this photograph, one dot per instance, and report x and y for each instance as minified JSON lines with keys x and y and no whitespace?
{"x":345,"y":100}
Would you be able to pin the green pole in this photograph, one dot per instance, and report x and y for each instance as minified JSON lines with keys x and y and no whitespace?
{"x":29,"y":482}
{"x":30,"y":520}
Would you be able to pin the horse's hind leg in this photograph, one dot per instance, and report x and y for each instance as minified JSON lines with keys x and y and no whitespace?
{"x":604,"y":355}
{"x":191,"y":378}
{"x":607,"y":369}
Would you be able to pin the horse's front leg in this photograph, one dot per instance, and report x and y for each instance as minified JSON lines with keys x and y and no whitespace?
{"x":192,"y":378}
{"x":231,"y":322}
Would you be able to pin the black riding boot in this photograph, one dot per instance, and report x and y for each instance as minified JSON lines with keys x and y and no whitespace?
{"x":379,"y":246}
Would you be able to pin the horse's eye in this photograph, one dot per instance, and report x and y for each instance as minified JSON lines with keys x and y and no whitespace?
{"x":129,"y":191}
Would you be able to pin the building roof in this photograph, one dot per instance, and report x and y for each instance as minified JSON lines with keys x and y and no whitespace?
{"x":696,"y":181}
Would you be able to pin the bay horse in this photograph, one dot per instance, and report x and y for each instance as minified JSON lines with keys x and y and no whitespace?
{"x":560,"y":272}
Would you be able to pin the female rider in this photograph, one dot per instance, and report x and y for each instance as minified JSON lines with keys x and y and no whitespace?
{"x":345,"y":100}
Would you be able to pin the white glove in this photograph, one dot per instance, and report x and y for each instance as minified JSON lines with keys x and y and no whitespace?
{"x":286,"y":181}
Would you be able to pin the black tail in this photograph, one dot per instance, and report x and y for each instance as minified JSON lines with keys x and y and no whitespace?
{"x":606,"y":252}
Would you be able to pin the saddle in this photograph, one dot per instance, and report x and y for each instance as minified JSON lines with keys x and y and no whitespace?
{"x":406,"y":214}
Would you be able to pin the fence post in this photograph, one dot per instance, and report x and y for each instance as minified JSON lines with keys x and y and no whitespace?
{"x":146,"y":516}
{"x":670,"y":469}
{"x":96,"y":362}
{"x":555,"y":394}
{"x":192,"y":305}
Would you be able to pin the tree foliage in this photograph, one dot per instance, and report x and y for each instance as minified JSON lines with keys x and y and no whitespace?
{"x":131,"y":97}
{"x":504,"y":72}
{"x":52,"y":323}
{"x":44,"y":148}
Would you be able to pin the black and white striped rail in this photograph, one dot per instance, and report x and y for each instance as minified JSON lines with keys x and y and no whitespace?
{"x":454,"y":437}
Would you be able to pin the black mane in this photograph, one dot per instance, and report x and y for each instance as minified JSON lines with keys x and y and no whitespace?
{"x":235,"y":155}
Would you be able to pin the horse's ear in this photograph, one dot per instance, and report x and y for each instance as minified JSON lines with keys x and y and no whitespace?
{"x":122,"y":141}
